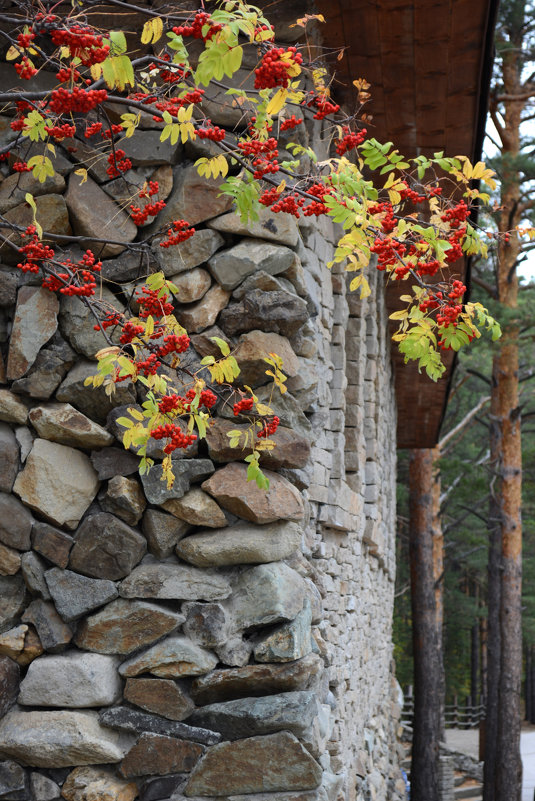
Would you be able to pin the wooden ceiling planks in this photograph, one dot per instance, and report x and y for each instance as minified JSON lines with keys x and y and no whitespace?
{"x":427,"y":62}
{"x":396,"y":25}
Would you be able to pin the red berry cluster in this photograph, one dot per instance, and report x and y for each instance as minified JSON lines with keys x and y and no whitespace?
{"x":266,"y":154}
{"x":195,"y":30}
{"x":21,"y":166}
{"x":171,"y":404}
{"x":62,"y":101}
{"x":118,"y":163}
{"x":130,"y":332}
{"x":457,"y":290}
{"x":273,"y":70}
{"x":25,"y":39}
{"x":269,"y":196}
{"x":93,"y":129}
{"x":67,"y":74}
{"x":61,"y":132}
{"x":18,"y":124}
{"x":177,"y":234}
{"x":410,"y":194}
{"x":82,"y":43}
{"x":243,"y":405}
{"x":34,"y":252}
{"x":176,"y":436}
{"x":318,"y":207}
{"x":171,"y":76}
{"x":456,"y":251}
{"x":173,"y":104}
{"x":211,"y":132}
{"x":152,"y":305}
{"x":457,"y":215}
{"x":388,"y":221}
{"x":388,"y":252}
{"x":290,"y":123}
{"x":269,"y":428}
{"x":350,"y":140}
{"x":427,"y":267}
{"x":114,"y":130}
{"x":25,"y":69}
{"x":140,"y":216}
{"x":80,"y":281}
{"x":110,"y":321}
{"x":448,"y":314}
{"x":432,"y":302}
{"x":173,"y":344}
{"x":206,"y":398}
{"x":289,"y":204}
{"x":150,"y":189}
{"x":149,"y":366}
{"x":324,"y":107}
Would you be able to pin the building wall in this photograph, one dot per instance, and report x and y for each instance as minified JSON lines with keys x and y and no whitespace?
{"x":258,"y":659}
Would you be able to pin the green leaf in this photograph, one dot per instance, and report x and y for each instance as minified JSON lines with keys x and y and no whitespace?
{"x":125,"y":422}
{"x":118,"y":41}
{"x":222,"y":345}
{"x":34,"y":126}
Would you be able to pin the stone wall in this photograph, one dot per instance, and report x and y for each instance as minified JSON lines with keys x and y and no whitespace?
{"x":210,"y":640}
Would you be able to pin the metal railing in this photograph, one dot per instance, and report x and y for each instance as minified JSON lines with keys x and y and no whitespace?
{"x":458,"y":714}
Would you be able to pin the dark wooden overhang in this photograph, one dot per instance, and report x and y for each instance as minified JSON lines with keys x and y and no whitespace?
{"x":429,"y":64}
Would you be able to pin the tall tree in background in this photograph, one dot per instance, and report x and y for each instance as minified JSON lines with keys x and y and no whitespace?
{"x":426,"y":553}
{"x":510,"y":107}
{"x":425,"y":637}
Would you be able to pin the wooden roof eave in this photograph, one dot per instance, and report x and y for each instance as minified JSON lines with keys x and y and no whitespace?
{"x":429,"y":63}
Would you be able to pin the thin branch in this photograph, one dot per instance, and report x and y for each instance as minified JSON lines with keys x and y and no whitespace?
{"x":477,"y":374}
{"x":464,"y":422}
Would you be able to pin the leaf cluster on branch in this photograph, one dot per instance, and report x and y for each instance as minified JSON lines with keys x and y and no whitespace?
{"x":409,"y":217}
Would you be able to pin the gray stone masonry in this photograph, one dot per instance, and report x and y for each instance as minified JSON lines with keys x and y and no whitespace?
{"x":182,"y":638}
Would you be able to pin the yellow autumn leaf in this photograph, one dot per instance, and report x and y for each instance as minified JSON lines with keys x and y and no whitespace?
{"x":152,"y":30}
{"x":83,"y":174}
{"x":277,"y":102}
{"x":399,"y":315}
{"x":360,"y":282}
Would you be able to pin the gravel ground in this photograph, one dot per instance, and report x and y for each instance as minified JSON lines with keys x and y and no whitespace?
{"x":467,"y":741}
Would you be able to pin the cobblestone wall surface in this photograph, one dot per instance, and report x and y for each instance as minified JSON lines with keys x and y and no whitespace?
{"x":208,"y":640}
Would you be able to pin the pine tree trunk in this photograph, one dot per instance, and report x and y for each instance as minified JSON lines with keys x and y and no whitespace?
{"x":425,"y":743}
{"x":474,"y":665}
{"x":438,"y":579}
{"x":493,"y":637}
{"x":505,"y":668}
{"x":509,"y":765}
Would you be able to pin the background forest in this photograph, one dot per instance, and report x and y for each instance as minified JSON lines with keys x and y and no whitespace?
{"x":466,"y":484}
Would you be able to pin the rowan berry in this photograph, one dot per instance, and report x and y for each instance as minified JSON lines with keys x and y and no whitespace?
{"x":174,"y":344}
{"x":290,"y":123}
{"x":177,"y":234}
{"x":277,"y":67}
{"x":82,"y":100}
{"x":350,"y":140}
{"x":269,"y":428}
{"x":93,"y":129}
{"x":243,"y":405}
{"x":206,"y":398}
{"x":61,"y":132}
{"x":25,"y":69}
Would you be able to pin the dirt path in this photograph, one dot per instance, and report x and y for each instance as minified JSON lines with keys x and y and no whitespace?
{"x":467,"y":741}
